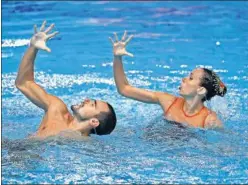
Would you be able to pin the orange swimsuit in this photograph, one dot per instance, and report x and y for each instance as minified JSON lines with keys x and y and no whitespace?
{"x":176,"y":113}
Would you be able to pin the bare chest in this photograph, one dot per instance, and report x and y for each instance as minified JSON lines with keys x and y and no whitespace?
{"x":53,"y":122}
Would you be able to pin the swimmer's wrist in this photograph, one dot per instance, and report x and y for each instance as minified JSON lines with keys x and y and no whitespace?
{"x":117,"y":57}
{"x":33,"y":47}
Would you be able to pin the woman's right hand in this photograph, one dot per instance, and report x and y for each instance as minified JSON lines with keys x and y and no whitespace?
{"x":119,"y":47}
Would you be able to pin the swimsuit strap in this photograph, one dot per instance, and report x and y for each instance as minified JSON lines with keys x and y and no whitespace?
{"x":204,"y":121}
{"x":193,"y":114}
{"x":171,"y":105}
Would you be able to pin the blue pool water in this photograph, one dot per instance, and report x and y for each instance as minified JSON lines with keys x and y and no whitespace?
{"x":170,"y":39}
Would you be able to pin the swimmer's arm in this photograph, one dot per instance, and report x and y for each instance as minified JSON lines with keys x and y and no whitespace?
{"x":25,"y":77}
{"x":213,"y":122}
{"x":26,"y":84}
{"x":125,"y":89}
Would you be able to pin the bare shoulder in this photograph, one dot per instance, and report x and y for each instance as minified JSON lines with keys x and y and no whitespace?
{"x":56,"y":103}
{"x":212,"y":121}
{"x":165,"y":96}
{"x":165,"y":99}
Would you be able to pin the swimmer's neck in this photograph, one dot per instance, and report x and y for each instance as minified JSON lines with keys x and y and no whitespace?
{"x":192,"y":105}
{"x":82,"y":126}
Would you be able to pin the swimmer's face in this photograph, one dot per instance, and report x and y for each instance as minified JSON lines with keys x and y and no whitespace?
{"x":89,"y":109}
{"x":191,"y":83}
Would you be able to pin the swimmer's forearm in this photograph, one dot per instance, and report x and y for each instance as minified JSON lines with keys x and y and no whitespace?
{"x":125,"y":89}
{"x":119,"y":74}
{"x":26,"y":68}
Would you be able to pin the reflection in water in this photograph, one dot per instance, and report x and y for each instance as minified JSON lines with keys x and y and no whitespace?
{"x":22,"y":153}
{"x":161,"y":129}
{"x":175,"y":138}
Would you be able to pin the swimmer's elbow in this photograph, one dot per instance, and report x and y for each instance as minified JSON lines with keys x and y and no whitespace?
{"x":119,"y":91}
{"x":122,"y":91}
{"x":18,"y":84}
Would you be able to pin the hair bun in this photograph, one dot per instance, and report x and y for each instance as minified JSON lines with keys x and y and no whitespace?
{"x":222,"y":91}
{"x":222,"y":88}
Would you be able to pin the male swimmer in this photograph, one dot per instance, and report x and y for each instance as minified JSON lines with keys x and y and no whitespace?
{"x":202,"y":84}
{"x":89,"y":116}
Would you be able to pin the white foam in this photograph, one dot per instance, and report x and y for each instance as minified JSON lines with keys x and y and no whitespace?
{"x":53,"y":81}
{"x":181,"y":40}
{"x":7,"y":55}
{"x":15,"y":42}
{"x":107,"y":64}
{"x":234,"y":78}
{"x":100,"y":21}
{"x":245,"y":78}
{"x":184,"y":66}
{"x":161,"y":66}
{"x":217,"y":43}
{"x":220,"y":70}
{"x":148,"y":35}
{"x":134,"y":71}
{"x":179,"y":72}
{"x":88,"y":66}
{"x":167,"y":79}
{"x":138,"y":72}
{"x":204,"y":66}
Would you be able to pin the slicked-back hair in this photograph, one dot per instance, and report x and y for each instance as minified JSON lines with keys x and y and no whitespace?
{"x":107,"y":122}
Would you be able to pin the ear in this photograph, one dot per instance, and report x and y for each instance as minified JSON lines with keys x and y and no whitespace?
{"x":201,"y":91}
{"x":94,"y":122}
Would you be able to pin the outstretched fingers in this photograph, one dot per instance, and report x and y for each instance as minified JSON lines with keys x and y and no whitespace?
{"x":35,"y":29}
{"x":129,"y":54}
{"x":128,"y":40}
{"x":43,"y":26}
{"x":49,"y":28}
{"x":47,"y":49}
{"x":52,"y":35}
{"x":124,"y":36}
{"x":111,"y":40}
{"x":116,"y":37}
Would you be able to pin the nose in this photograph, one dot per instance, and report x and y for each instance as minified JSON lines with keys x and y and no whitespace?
{"x":183,"y":80}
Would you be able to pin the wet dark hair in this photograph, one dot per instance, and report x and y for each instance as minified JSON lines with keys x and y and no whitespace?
{"x":213,"y":84}
{"x":107,"y":122}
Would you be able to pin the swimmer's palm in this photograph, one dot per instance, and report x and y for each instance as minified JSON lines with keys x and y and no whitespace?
{"x":119,"y":47}
{"x":39,"y":39}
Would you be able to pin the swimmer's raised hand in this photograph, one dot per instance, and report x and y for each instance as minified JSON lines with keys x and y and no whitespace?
{"x":40,"y":37}
{"x":119,"y":47}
